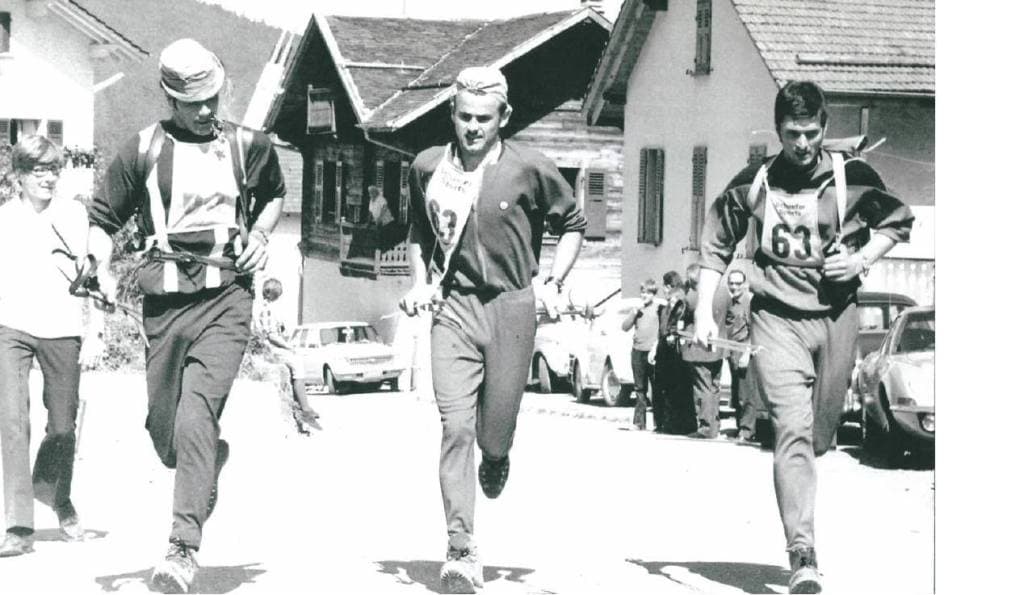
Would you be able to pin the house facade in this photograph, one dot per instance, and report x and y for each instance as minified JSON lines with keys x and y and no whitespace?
{"x":693,"y":84}
{"x":49,"y":52}
{"x":362,"y":96}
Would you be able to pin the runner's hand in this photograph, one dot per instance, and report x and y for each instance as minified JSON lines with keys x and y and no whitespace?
{"x":549,"y":296}
{"x":704,"y":328}
{"x":254,"y":257}
{"x":421,"y":296}
{"x":841,"y":265}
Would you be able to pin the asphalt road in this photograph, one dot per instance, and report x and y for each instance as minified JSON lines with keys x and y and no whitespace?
{"x":590,"y":507}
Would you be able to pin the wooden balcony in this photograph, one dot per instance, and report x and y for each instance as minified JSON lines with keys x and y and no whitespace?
{"x":366,"y":252}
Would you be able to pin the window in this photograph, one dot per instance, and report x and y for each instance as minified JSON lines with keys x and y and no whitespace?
{"x":403,"y":206}
{"x":702,"y":61}
{"x":55,"y":131}
{"x":651,"y":195}
{"x":6,"y":132}
{"x":757,"y":154}
{"x":5,"y":32}
{"x":319,"y":111}
{"x":700,"y":166}
{"x":329,"y":207}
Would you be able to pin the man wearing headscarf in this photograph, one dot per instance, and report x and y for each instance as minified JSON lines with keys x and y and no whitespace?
{"x":479,"y":207}
{"x":208,"y":194}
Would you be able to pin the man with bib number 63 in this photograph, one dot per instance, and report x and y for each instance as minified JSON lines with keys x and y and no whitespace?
{"x":812,"y":211}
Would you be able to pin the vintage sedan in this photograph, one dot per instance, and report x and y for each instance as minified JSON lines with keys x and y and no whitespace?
{"x":345,"y":354}
{"x":896,"y":388}
{"x":587,"y":351}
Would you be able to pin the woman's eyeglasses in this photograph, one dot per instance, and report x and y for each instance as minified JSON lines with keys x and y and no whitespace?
{"x":41,"y":171}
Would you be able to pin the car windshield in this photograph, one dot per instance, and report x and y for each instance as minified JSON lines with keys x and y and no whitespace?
{"x":347,"y":334}
{"x":918,"y":333}
{"x":877,"y":317}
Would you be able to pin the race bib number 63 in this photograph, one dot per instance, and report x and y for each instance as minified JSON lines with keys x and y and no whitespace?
{"x":790,"y":233}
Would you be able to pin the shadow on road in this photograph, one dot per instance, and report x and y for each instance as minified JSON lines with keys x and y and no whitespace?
{"x":55,"y":535}
{"x":749,"y":578}
{"x":428,"y":572}
{"x":209,"y":579}
{"x":912,"y":461}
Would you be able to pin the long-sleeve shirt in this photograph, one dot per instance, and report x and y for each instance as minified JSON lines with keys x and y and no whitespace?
{"x":500,"y":244}
{"x":34,"y":281}
{"x":644,"y":321}
{"x":788,"y":260}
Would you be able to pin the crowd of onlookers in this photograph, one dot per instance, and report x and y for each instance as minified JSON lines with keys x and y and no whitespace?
{"x":679,"y":379}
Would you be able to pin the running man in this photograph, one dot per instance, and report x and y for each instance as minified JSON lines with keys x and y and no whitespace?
{"x":208,"y":194}
{"x":479,"y":209}
{"x":812,"y":211}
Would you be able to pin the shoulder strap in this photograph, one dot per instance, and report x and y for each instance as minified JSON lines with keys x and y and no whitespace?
{"x":839,"y":171}
{"x":240,"y":140}
{"x":760,"y":179}
{"x":152,"y":154}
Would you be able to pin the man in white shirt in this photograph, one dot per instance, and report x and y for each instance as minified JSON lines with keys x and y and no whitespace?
{"x":40,"y":319}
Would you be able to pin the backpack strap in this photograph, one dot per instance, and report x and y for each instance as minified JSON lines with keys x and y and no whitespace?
{"x":839,"y":172}
{"x":240,"y":139}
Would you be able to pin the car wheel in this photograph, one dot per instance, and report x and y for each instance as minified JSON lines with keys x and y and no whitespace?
{"x":611,"y":388}
{"x":330,"y":383}
{"x":543,"y":375}
{"x":883,"y":446}
{"x":581,"y":394}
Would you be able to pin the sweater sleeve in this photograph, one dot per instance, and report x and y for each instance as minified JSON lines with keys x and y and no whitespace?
{"x":727,"y":222}
{"x":117,"y":199}
{"x":877,"y":207}
{"x":556,"y":199}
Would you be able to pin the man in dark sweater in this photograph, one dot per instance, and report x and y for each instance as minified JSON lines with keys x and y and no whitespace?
{"x":479,"y":207}
{"x":812,"y":212}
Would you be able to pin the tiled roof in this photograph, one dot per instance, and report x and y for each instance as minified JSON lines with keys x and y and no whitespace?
{"x":399,"y":65}
{"x":388,"y":43}
{"x":871,"y":46}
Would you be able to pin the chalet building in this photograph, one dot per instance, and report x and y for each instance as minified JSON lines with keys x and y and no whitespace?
{"x":50,"y":53}
{"x":363,"y":95}
{"x":693,"y":85}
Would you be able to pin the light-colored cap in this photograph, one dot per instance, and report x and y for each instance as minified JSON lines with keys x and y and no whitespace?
{"x":189,"y":72}
{"x":483,"y":80}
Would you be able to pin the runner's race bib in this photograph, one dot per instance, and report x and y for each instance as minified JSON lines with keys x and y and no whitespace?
{"x":451,"y":194}
{"x":790,"y":234}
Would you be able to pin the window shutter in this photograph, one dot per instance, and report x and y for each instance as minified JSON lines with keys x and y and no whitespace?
{"x":651,"y":195}
{"x":403,"y":207}
{"x":318,"y":191}
{"x":5,"y":32}
{"x":319,"y":111}
{"x":378,"y":174}
{"x":700,"y":164}
{"x":55,"y":131}
{"x":595,"y":183}
{"x":339,"y":190}
{"x":702,"y":61}
{"x":5,"y":131}
{"x":757,"y":154}
{"x":641,"y":235}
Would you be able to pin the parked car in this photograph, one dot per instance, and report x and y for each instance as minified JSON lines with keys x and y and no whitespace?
{"x":876,"y":310}
{"x":345,"y":354}
{"x":586,"y":351}
{"x":875,"y":313}
{"x":896,"y":387}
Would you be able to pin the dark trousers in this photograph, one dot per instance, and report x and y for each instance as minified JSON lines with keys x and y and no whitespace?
{"x":803,"y":374}
{"x":744,"y":399}
{"x":672,"y":391}
{"x":50,"y":480}
{"x":480,"y":358}
{"x":703,"y":378}
{"x":642,"y":372}
{"x":196,"y":343}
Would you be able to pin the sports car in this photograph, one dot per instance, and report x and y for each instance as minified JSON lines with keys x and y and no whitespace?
{"x":896,"y":388}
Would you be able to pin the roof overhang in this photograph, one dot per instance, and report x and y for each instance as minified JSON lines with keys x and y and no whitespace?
{"x":607,"y":94}
{"x":519,"y":51}
{"x":105,"y":41}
